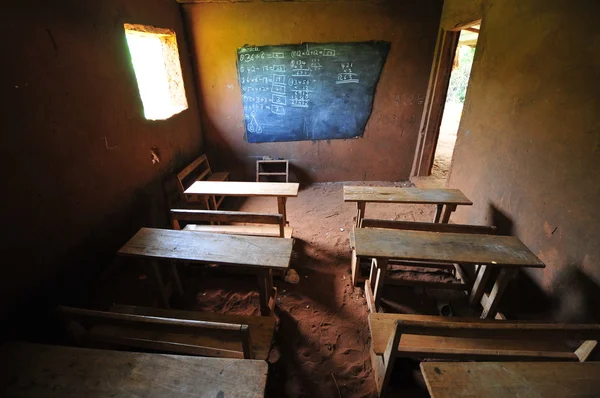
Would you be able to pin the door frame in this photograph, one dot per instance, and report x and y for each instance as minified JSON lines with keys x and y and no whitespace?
{"x":435,"y":99}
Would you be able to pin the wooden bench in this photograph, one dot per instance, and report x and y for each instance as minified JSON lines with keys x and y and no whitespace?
{"x":39,"y":370}
{"x":434,"y":337}
{"x":510,"y":379}
{"x":275,"y":227}
{"x":358,"y":268}
{"x":173,"y":331}
{"x":199,"y":170}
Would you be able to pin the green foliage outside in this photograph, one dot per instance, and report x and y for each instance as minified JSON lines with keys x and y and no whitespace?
{"x":459,"y":79}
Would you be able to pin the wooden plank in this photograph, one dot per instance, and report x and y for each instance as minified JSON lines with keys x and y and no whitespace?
{"x":235,"y":250}
{"x":225,"y":216}
{"x":35,"y":370}
{"x":251,"y":230}
{"x":382,"y":327}
{"x":491,"y":307}
{"x":512,"y":379}
{"x":507,"y":251}
{"x":261,"y":328}
{"x":426,"y":226}
{"x":404,"y":195}
{"x":191,"y":167}
{"x":238,"y":188}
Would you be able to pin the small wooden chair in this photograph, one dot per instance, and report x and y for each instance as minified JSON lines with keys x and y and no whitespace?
{"x":463,"y":339}
{"x":274,"y":227}
{"x":172,"y":331}
{"x":199,"y":170}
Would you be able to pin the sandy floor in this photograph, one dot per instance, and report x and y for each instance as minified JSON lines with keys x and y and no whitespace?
{"x":321,"y":345}
{"x":446,"y":140}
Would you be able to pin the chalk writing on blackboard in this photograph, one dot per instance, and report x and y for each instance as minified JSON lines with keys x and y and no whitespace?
{"x":308,"y":91}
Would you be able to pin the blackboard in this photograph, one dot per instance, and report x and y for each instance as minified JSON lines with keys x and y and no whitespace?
{"x":309,"y":91}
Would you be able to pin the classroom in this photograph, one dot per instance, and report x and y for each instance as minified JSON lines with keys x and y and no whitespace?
{"x":301,"y":198}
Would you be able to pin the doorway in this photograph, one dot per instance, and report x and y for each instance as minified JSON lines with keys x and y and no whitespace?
{"x":455,"y":99}
{"x":453,"y":60}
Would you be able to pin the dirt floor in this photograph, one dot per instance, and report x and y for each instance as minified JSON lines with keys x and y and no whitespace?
{"x":321,"y":345}
{"x":445,"y":146}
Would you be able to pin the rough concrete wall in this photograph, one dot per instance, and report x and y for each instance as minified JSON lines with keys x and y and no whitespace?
{"x":529,"y":141}
{"x":387,"y":148}
{"x":460,"y":12}
{"x":77,"y":176}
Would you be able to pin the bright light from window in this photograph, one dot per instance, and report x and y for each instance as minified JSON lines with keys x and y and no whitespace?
{"x":157,"y":69}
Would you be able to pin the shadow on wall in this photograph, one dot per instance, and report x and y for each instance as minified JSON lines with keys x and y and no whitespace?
{"x":573,"y":296}
{"x":79,"y":268}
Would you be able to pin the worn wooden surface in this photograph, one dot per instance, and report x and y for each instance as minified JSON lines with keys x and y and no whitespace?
{"x":33,"y":370}
{"x":251,"y":230}
{"x":236,"y":250}
{"x":512,"y":379}
{"x":382,"y":328}
{"x":237,"y":188}
{"x":427,"y":226}
{"x":261,"y":327}
{"x":404,"y":195}
{"x":444,"y":247}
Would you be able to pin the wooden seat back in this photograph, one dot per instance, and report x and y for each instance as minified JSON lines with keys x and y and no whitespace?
{"x":210,"y":216}
{"x":159,"y":333}
{"x":463,"y":339}
{"x":488,"y":339}
{"x":430,"y":227}
{"x":198,"y":170}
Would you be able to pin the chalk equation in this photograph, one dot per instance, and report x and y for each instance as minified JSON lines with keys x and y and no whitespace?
{"x":285,"y":84}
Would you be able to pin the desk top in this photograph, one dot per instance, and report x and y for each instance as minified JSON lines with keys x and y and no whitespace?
{"x":494,"y":250}
{"x":512,"y":379}
{"x":404,"y":195}
{"x":239,"y":188}
{"x":35,"y":370}
{"x":210,"y":247}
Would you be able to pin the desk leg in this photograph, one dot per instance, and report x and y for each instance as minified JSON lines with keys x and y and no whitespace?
{"x":490,"y":307}
{"x":382,"y":265}
{"x":265,"y":291}
{"x":158,"y":279}
{"x":281,"y":208}
{"x":360,"y":213}
{"x":446,"y":217}
{"x":483,"y":274}
{"x":438,"y":214}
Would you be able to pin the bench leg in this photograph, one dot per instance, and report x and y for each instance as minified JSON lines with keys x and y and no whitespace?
{"x":354,"y":265}
{"x":382,"y":265}
{"x":438,"y":214}
{"x":281,"y":208}
{"x":491,"y":306}
{"x":265,"y":291}
{"x":383,"y":365}
{"x":162,"y":288}
{"x":447,"y":211}
{"x":360,"y":213}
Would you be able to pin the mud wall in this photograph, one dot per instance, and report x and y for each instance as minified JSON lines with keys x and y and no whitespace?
{"x":77,"y":175}
{"x":386,"y":150}
{"x":528,"y":146}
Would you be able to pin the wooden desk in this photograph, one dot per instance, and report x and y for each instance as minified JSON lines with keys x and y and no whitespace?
{"x":450,"y":198}
{"x":512,"y":379}
{"x":487,"y":251}
{"x":35,"y":370}
{"x":280,"y":190}
{"x":262,"y":255}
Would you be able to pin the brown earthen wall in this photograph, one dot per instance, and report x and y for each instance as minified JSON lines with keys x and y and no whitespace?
{"x":387,"y":148}
{"x":77,"y":179}
{"x":528,"y":149}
